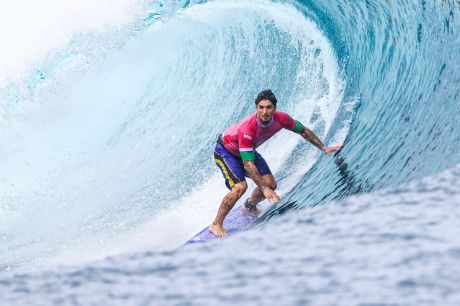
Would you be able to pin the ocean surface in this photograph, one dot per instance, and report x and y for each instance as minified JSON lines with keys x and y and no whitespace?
{"x":108,"y":117}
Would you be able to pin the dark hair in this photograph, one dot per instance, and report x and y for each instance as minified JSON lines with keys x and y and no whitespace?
{"x":266,"y":94}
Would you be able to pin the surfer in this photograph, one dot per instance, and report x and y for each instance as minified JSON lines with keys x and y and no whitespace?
{"x":236,"y":156}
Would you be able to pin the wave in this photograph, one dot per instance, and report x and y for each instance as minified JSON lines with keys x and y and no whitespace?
{"x":122,"y":148}
{"x":401,"y":65}
{"x":106,"y":145}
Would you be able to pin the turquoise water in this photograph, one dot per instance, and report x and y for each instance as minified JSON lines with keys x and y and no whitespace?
{"x":401,"y":60}
{"x":106,"y":150}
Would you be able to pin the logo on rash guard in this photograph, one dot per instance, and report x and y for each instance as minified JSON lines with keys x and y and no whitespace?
{"x":247,"y":136}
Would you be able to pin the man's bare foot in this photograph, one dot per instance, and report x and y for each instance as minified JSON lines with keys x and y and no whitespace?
{"x":250,"y":211}
{"x":218,"y":230}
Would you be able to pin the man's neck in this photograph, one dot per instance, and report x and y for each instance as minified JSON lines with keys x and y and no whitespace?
{"x":264,"y":124}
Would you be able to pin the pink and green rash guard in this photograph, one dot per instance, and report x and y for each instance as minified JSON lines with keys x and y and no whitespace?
{"x":245,"y":136}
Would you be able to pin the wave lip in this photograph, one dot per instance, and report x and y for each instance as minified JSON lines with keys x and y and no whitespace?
{"x":30,"y":32}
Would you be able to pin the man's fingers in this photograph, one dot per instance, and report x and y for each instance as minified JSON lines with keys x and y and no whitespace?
{"x":275,"y":198}
{"x":271,"y":196}
{"x":333,"y":148}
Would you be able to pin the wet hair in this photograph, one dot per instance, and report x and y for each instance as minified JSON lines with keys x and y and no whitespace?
{"x":266,"y":94}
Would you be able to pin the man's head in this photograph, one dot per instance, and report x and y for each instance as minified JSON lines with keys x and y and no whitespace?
{"x":265,"y":105}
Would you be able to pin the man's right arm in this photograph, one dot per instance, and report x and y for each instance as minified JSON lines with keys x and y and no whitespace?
{"x":246,"y":147}
{"x":251,"y":169}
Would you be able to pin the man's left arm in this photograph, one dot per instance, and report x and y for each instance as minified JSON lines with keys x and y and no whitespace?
{"x":299,"y":128}
{"x":308,"y":134}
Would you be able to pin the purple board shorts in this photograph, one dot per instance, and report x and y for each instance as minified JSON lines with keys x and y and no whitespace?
{"x":232,"y":166}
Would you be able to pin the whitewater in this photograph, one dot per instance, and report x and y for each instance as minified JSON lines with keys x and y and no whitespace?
{"x":108,"y":118}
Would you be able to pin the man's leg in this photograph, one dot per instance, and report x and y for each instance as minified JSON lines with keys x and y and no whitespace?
{"x":227,"y":204}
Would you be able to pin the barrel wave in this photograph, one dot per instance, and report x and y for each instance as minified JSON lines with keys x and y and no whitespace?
{"x":106,"y":150}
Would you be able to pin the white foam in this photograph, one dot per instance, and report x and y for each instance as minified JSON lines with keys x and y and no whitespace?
{"x":31,"y":31}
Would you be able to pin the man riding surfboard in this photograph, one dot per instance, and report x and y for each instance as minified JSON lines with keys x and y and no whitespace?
{"x":236,"y":156}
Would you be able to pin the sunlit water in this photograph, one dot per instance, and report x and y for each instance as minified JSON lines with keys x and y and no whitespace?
{"x":106,"y":138}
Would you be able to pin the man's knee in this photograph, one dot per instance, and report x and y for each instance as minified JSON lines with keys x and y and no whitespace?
{"x":240,"y":188}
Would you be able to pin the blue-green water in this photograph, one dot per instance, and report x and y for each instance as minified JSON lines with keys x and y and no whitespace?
{"x":106,"y":150}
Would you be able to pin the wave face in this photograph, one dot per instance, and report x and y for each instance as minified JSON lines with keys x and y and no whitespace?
{"x":401,"y":62}
{"x":106,"y":147}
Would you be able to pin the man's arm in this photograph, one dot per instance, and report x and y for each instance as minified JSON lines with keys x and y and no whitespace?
{"x":297,"y":127}
{"x":251,"y":169}
{"x":313,"y":139}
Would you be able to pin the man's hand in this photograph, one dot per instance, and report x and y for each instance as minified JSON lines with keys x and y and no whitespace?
{"x":270,"y":195}
{"x":331,"y":149}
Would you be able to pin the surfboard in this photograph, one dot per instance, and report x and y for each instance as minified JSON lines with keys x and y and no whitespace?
{"x":234,"y":222}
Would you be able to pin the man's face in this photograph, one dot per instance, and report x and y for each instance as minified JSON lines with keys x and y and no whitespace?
{"x":265,"y":110}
